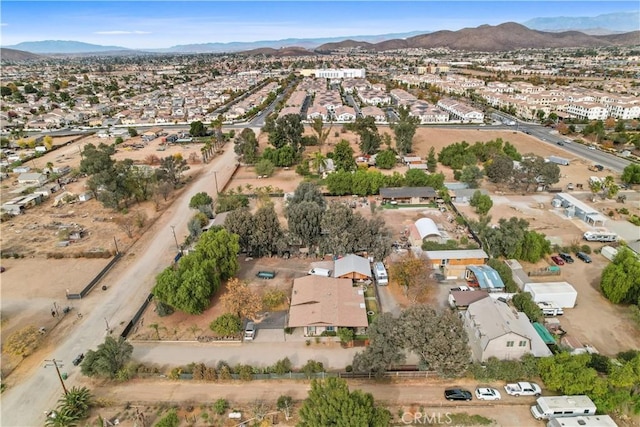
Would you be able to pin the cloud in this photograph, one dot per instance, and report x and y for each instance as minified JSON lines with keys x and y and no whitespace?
{"x":120,"y":32}
{"x":3,"y":24}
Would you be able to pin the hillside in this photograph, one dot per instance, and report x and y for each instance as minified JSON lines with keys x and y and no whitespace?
{"x":503,"y":37}
{"x":13,"y":55}
{"x":285,"y":51}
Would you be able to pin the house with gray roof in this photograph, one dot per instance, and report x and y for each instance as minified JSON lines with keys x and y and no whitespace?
{"x":484,"y":277}
{"x":408,"y":195}
{"x":352,"y":267}
{"x":497,"y":330}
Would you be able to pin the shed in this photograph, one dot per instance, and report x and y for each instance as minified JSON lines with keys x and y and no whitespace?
{"x":484,"y":277}
{"x":352,"y":267}
{"x":427,"y":228}
{"x":544,"y":334}
{"x":561,"y":293}
{"x":609,"y":252}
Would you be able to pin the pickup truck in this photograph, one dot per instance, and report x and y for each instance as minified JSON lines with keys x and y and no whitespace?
{"x":523,"y":389}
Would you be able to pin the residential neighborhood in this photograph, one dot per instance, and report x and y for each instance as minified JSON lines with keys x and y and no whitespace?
{"x":424,"y":226}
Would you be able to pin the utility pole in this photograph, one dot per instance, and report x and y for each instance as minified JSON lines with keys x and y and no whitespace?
{"x":55,"y":364}
{"x":173,"y":229}
{"x":215,"y":178}
{"x":107,"y":323}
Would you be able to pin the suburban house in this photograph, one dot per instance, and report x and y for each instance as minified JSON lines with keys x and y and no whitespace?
{"x":454,"y":263}
{"x":460,"y":300}
{"x":320,"y":304}
{"x":352,"y":267}
{"x":408,"y":195}
{"x":484,"y":277}
{"x":496,"y":330}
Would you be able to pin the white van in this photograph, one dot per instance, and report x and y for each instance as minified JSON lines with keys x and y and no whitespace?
{"x":380,"y":274}
{"x":324,"y":272}
{"x":549,"y":407}
{"x":249,"y":331}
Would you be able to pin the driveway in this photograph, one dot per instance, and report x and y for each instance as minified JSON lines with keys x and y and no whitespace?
{"x":388,"y":303}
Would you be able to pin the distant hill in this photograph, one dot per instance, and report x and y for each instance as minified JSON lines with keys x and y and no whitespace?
{"x":503,"y":37}
{"x":63,"y":46}
{"x":13,"y":55}
{"x":611,"y":22}
{"x":285,"y":51}
{"x":311,"y":43}
{"x":345,"y":44}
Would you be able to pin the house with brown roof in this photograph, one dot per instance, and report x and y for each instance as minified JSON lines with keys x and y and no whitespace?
{"x":320,"y":304}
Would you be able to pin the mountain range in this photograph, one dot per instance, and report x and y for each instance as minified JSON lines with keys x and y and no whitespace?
{"x":609,"y":23}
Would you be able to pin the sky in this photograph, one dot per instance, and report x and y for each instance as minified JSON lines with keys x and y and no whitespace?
{"x":162,"y":24}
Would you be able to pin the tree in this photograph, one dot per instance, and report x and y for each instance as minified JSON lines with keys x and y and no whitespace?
{"x":524,"y":303}
{"x":307,"y":192}
{"x":23,"y":341}
{"x":76,"y":402}
{"x":386,"y":159}
{"x":318,"y":162}
{"x":370,"y":139}
{"x":132,"y":132}
{"x":499,"y":169}
{"x":240,"y":300}
{"x":620,"y":281}
{"x":386,"y":346}
{"x":318,"y":127}
{"x":169,"y":420}
{"x":404,"y":130}
{"x":288,"y":130}
{"x":197,"y":129}
{"x":631,"y":174}
{"x":110,"y":357}
{"x":240,"y":222}
{"x":336,"y":223}
{"x":569,"y":374}
{"x":331,"y":404}
{"x":343,"y":157}
{"x":411,"y":273}
{"x":229,"y":202}
{"x":439,"y":339}
{"x":432,"y":162}
{"x":267,"y":231}
{"x":482,"y":202}
{"x":227,"y":324}
{"x":304,"y":221}
{"x":199,"y":200}
{"x":264,"y":168}
{"x":340,"y":183}
{"x":471,"y":175}
{"x":171,"y":169}
{"x":246,"y":146}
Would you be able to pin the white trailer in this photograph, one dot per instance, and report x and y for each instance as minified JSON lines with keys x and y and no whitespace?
{"x":548,"y":407}
{"x":600,"y":236}
{"x":559,"y":160}
{"x":586,"y":421}
{"x":561,"y":294}
{"x":380,"y":274}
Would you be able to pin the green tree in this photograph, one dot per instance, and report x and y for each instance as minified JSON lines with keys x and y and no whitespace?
{"x":288,"y":130}
{"x":471,"y":175}
{"x":319,"y":162}
{"x":171,"y":169}
{"x":227,"y":202}
{"x":620,"y":282}
{"x":285,"y":404}
{"x":304,"y":221}
{"x":499,"y":169}
{"x":404,"y":130}
{"x":132,"y":132}
{"x":631,"y":174}
{"x":197,"y":129}
{"x":227,"y":324}
{"x":308,"y":192}
{"x":524,"y":303}
{"x":481,"y":202}
{"x":110,"y":357}
{"x":386,"y":159}
{"x":370,"y":139}
{"x":169,"y":420}
{"x":331,"y":404}
{"x":246,"y":146}
{"x":569,"y":374}
{"x":318,"y":127}
{"x":267,"y":231}
{"x":240,"y":222}
{"x":441,"y":349}
{"x":264,"y":168}
{"x":77,"y":402}
{"x":199,"y":200}
{"x":343,"y":157}
{"x":340,"y":183}
{"x":432,"y":162}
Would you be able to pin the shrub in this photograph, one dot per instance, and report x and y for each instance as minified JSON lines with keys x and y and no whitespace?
{"x":169,"y":420}
{"x":273,"y":298}
{"x":312,"y":367}
{"x":245,"y":372}
{"x":282,"y":366}
{"x":586,"y":249}
{"x":346,"y":334}
{"x":265,"y":167}
{"x":220,"y":406}
{"x":227,"y":324}
{"x":505,"y":370}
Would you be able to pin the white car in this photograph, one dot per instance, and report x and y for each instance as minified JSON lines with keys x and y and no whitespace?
{"x":487,"y":393}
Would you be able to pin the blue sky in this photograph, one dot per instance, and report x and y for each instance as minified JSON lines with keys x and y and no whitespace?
{"x":153,"y":24}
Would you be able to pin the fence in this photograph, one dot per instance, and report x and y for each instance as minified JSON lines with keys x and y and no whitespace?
{"x":96,"y":279}
{"x":136,"y":317}
{"x":464,"y":219}
{"x":323,"y":375}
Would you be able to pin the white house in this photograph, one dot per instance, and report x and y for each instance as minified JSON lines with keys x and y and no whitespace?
{"x":345,"y":114}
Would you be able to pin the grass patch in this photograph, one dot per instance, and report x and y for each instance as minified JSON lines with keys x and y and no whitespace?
{"x":462,"y":419}
{"x":371,"y":305}
{"x":370,"y":292}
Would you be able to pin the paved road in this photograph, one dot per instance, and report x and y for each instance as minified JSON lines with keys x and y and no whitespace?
{"x":25,"y":404}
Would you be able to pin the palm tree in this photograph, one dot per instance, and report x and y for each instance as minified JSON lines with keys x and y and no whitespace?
{"x":318,"y":127}
{"x":76,"y":402}
{"x":61,"y":418}
{"x":319,"y":161}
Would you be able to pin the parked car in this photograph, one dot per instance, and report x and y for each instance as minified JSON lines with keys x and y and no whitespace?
{"x":566,"y":257}
{"x":78,"y":360}
{"x":557,"y":259}
{"x":457,"y":394}
{"x":523,"y":389}
{"x":487,"y":393}
{"x":584,"y":257}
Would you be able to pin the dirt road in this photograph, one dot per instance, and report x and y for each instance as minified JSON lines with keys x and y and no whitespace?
{"x":129,"y":283}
